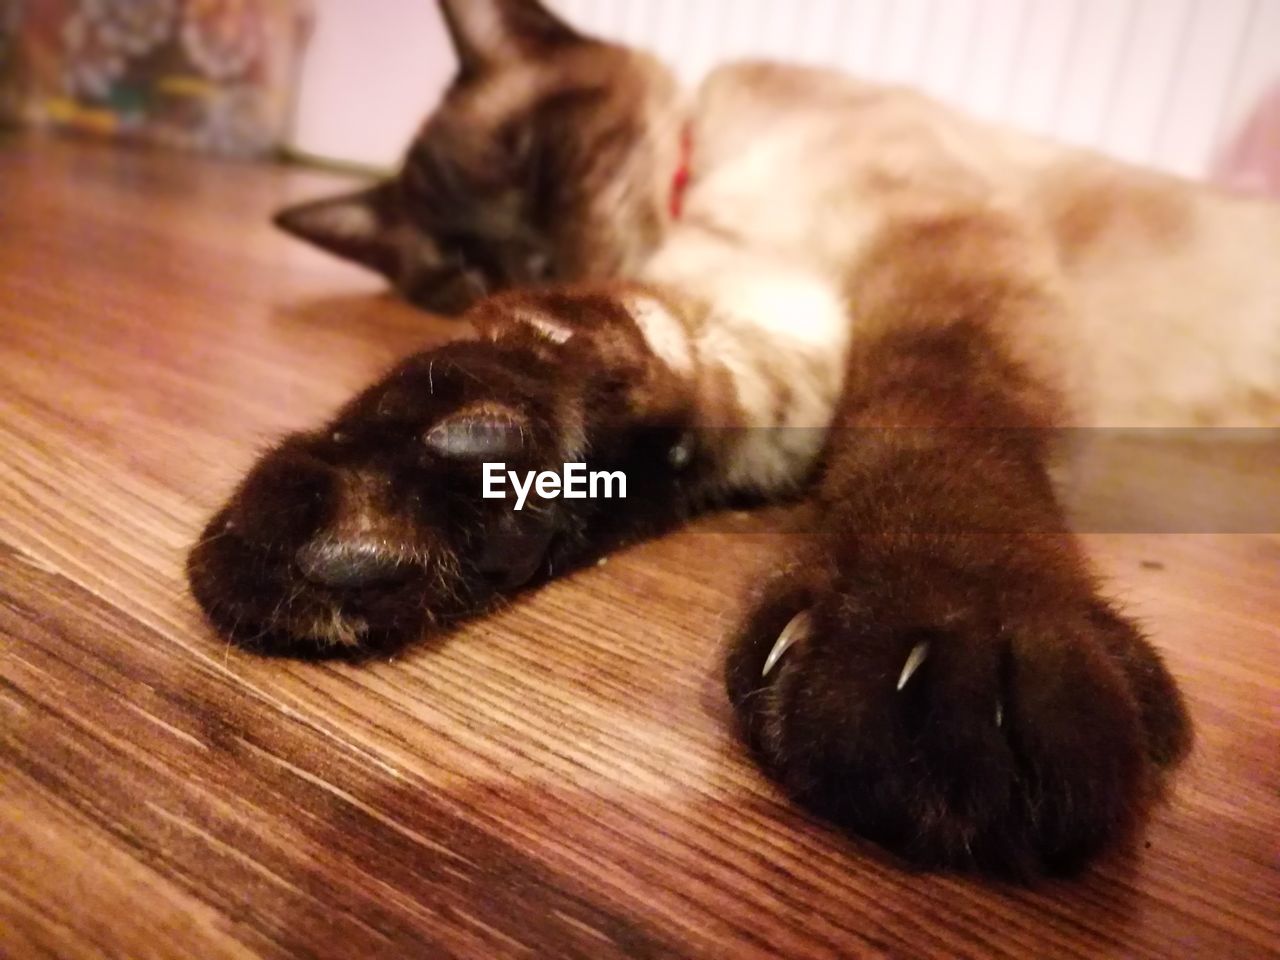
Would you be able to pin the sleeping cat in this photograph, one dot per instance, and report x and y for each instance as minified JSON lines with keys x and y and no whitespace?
{"x":788,"y":282}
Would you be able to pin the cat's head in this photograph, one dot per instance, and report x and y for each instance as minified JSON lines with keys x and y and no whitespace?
{"x":550,"y":157}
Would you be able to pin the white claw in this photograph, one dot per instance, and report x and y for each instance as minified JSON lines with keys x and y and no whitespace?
{"x":680,"y":455}
{"x":999,"y":714}
{"x":914,"y":659}
{"x":797,"y":627}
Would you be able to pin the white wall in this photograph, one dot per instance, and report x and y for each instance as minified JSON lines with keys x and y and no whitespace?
{"x":1164,"y":82}
{"x":372,"y":70}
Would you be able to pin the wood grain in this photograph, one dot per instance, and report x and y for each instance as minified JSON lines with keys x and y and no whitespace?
{"x":558,"y":780}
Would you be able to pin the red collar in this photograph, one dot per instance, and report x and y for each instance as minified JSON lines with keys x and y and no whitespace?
{"x":680,"y":182}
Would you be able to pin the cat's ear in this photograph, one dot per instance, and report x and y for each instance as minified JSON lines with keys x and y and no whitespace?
{"x":355,"y":226}
{"x":488,"y":33}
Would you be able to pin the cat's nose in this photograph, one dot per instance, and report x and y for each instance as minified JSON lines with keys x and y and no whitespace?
{"x":349,"y":564}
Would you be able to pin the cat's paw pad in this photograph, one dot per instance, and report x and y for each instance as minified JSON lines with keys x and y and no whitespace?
{"x":1018,"y":737}
{"x":360,"y":534}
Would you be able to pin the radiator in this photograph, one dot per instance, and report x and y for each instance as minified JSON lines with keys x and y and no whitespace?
{"x":1160,"y":82}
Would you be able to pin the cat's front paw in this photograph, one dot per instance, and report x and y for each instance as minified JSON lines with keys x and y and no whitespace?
{"x":402,"y":513}
{"x":960,"y":709}
{"x":363,"y":532}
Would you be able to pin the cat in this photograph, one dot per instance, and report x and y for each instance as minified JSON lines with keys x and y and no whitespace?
{"x":788,"y":283}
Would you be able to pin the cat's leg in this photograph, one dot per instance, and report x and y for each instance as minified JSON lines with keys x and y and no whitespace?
{"x":934,"y":667}
{"x":375,"y":527}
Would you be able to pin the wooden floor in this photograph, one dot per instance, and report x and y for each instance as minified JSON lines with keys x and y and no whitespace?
{"x":558,"y":781}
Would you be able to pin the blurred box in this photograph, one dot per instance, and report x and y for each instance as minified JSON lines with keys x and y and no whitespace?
{"x":212,"y":75}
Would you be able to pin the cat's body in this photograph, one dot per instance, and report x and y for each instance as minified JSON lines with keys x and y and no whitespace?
{"x":853,"y":280}
{"x":1136,"y":260}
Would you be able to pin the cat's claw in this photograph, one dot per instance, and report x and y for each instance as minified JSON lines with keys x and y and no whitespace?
{"x":914,"y":659}
{"x":999,"y":714}
{"x":796,"y":628}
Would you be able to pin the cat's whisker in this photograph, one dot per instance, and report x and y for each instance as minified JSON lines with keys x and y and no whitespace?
{"x":914,"y":659}
{"x":796,"y":628}
{"x":211,"y":538}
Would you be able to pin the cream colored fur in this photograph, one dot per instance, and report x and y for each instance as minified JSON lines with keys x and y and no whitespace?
{"x":1166,"y":294}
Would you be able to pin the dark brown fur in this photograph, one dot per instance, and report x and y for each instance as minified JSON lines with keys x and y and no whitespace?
{"x":1041,"y":723}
